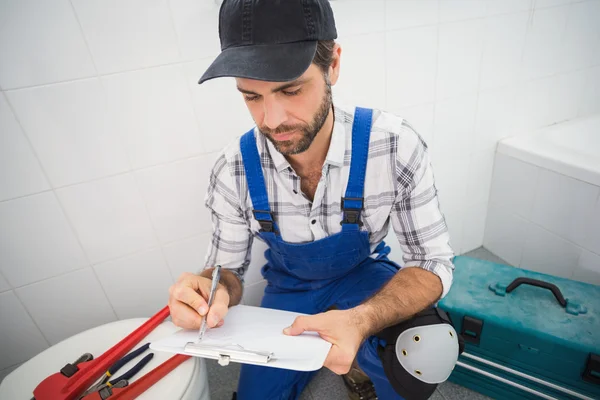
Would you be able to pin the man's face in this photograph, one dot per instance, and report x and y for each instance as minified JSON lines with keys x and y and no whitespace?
{"x":289,"y":114}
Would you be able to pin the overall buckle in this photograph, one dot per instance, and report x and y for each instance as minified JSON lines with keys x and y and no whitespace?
{"x":265,"y":225}
{"x":351,"y":215}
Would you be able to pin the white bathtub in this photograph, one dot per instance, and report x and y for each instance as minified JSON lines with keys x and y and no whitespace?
{"x":544,"y":207}
{"x":571,"y":148}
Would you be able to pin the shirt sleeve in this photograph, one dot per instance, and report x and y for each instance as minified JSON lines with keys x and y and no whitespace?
{"x":231,"y":241}
{"x":416,"y":217}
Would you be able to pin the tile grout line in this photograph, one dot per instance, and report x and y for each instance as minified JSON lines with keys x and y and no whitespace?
{"x":93,"y":264}
{"x":32,"y":319}
{"x":102,"y":75}
{"x":69,"y":223}
{"x":105,"y":294}
{"x":152,"y":225}
{"x":113,"y":175}
{"x":85,"y":40}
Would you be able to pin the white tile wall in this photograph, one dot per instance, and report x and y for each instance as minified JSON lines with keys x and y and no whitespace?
{"x":503,"y":47}
{"x":513,"y":185}
{"x":451,"y":181}
{"x":109,"y":217}
{"x":569,"y":93}
{"x":401,"y":14}
{"x":36,"y":241}
{"x":221,"y":124}
{"x":20,"y":172}
{"x":495,"y":7}
{"x":505,"y":234}
{"x":550,"y":100}
{"x":174,"y":194}
{"x":564,"y":205}
{"x":588,"y":268}
{"x":453,"y":126}
{"x":136,"y":286}
{"x":152,"y":112}
{"x":455,"y":220}
{"x":187,"y":255}
{"x":544,"y":49}
{"x":533,"y":107}
{"x":254,"y":293}
{"x":20,"y":339}
{"x":360,"y":54}
{"x":67,"y":304}
{"x":457,"y":10}
{"x":4,"y":286}
{"x":70,"y":131}
{"x":459,"y":57}
{"x":356,"y":17}
{"x":480,"y":177}
{"x":421,"y":119}
{"x":581,"y":35}
{"x":196,"y":24}
{"x":494,"y":119}
{"x":546,"y":252}
{"x":590,"y":100}
{"x":411,"y":59}
{"x":140,"y":34}
{"x":588,"y":236}
{"x":41,"y":42}
{"x":474,"y":226}
{"x":552,"y":3}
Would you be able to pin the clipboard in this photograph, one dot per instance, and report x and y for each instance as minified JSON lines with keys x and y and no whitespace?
{"x":252,"y":335}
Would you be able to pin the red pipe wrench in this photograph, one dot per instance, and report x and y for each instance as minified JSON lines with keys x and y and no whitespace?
{"x":73,"y":380}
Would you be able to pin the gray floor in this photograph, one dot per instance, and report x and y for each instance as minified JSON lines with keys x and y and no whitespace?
{"x":328,"y":386}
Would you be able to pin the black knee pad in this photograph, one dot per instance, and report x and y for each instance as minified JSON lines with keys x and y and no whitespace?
{"x":420,"y":353}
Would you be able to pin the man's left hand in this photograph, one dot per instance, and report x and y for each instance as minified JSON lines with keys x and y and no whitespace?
{"x":340,"y":328}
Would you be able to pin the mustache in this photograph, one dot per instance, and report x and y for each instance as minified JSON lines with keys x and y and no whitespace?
{"x":281,"y":129}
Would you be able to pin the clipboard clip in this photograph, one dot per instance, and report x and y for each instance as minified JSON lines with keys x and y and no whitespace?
{"x":225,"y":354}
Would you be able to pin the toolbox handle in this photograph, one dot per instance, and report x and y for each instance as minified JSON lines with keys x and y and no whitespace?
{"x":535,"y":282}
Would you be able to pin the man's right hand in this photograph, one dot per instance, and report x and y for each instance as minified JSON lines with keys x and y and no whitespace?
{"x":188,"y":302}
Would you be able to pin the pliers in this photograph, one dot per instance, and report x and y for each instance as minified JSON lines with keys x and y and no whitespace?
{"x":122,"y":380}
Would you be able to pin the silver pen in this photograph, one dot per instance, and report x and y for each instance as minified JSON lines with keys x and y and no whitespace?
{"x":216,"y":275}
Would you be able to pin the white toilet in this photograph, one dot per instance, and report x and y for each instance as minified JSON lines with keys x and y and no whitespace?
{"x":188,"y":381}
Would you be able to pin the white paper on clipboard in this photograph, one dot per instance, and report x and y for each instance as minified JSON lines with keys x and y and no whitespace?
{"x":256,"y":329}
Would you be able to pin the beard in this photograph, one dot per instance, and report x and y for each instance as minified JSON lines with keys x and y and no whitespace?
{"x":308,"y":131}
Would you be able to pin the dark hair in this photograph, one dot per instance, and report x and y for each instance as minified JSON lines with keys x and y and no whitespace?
{"x":324,"y":55}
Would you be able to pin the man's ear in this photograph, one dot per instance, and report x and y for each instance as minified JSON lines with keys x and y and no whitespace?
{"x":334,"y":68}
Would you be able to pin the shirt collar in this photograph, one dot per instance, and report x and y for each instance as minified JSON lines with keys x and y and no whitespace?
{"x":335,"y":153}
{"x":337,"y":146}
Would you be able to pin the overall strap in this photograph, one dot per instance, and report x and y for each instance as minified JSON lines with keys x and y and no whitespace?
{"x":353,"y":202}
{"x":256,"y":183}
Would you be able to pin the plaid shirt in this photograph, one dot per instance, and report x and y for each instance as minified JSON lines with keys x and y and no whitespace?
{"x":399,"y":187}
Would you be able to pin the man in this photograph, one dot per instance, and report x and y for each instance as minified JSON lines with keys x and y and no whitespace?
{"x":319,"y":184}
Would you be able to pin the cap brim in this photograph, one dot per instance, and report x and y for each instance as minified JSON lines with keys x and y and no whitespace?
{"x":274,"y":63}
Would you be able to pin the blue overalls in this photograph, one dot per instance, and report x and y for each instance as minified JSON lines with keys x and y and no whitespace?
{"x":311,"y":277}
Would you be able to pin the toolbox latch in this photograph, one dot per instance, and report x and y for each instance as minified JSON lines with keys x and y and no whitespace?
{"x":592,"y":369}
{"x":471,"y":329}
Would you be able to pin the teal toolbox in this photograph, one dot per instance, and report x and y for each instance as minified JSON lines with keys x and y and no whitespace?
{"x":524,"y":341}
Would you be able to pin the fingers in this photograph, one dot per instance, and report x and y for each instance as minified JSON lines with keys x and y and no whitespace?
{"x":304,"y":323}
{"x":188,"y":302}
{"x":183,"y":316}
{"x":185,"y":292}
{"x":219,"y":307}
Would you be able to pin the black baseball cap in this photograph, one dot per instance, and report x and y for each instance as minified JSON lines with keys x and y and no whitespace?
{"x":270,"y":40}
